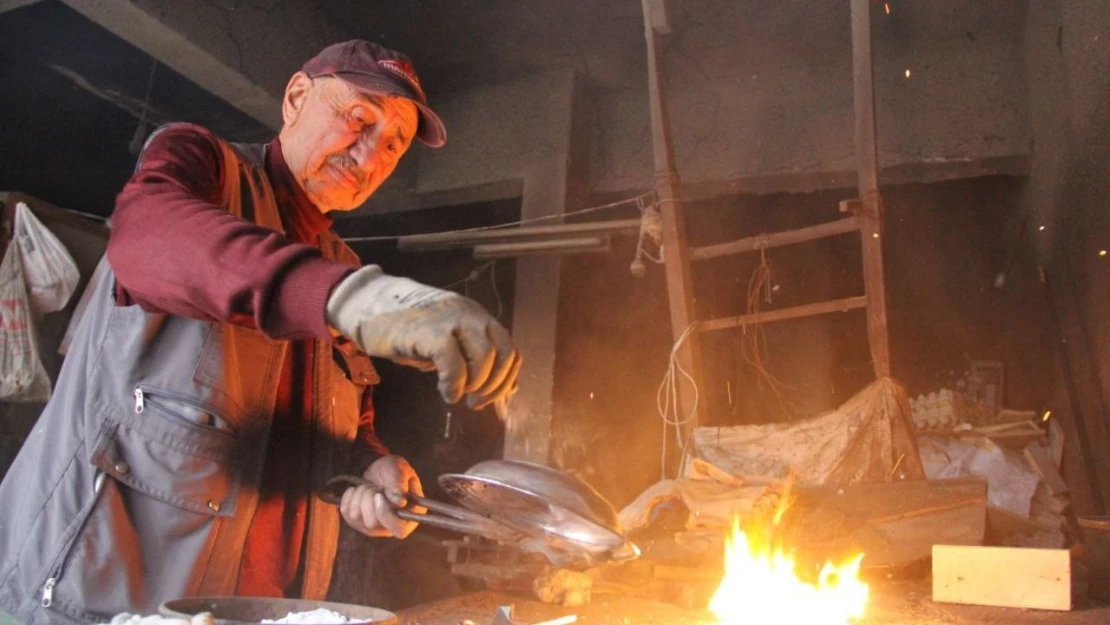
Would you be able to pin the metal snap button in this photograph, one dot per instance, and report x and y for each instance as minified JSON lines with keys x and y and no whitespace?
{"x":214,"y":506}
{"x":122,"y":468}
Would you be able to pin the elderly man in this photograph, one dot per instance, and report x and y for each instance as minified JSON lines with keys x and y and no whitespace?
{"x":220,"y":375}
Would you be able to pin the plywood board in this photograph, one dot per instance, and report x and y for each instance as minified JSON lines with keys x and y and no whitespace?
{"x":1002,"y":576}
{"x":1045,"y":468}
{"x":893,"y":523}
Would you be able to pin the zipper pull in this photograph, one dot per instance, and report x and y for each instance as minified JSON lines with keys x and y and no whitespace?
{"x":139,"y":404}
{"x":48,"y":592}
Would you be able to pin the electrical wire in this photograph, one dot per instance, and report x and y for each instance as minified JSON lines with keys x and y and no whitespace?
{"x":509,"y":224}
{"x":666,"y":401}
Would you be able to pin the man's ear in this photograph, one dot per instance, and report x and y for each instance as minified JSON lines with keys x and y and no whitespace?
{"x":296,"y":95}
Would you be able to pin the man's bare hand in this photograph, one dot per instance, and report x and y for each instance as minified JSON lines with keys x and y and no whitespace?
{"x":372,"y":511}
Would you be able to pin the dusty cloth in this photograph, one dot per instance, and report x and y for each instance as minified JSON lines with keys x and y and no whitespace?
{"x":869,"y":438}
{"x":712,"y":496}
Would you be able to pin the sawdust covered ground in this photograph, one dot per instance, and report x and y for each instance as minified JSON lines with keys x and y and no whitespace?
{"x":903,"y":603}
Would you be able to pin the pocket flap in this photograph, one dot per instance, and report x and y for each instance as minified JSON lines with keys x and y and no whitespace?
{"x":171,"y":462}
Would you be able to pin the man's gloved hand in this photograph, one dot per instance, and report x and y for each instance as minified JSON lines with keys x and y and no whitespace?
{"x":371,"y":512}
{"x":428,"y":328}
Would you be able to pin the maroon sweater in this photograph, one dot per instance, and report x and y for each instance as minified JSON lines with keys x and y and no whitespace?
{"x":174,"y":250}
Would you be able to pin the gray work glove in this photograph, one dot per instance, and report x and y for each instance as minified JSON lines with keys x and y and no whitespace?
{"x":421,"y":326}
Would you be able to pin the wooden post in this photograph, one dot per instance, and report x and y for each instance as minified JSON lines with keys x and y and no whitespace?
{"x":680,"y":288}
{"x":871,"y":213}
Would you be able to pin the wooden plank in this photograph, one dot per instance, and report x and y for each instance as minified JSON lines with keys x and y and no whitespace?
{"x":892,"y":523}
{"x":1002,"y":576}
{"x":1056,"y":443}
{"x":807,"y":310}
{"x":776,"y":239}
{"x":1045,"y":468}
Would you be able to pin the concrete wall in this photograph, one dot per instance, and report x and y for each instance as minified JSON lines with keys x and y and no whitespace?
{"x":1068,"y":56}
{"x":751,"y":97}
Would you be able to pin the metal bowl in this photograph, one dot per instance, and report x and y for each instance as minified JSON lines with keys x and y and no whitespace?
{"x":237,"y":610}
{"x":539,"y":501}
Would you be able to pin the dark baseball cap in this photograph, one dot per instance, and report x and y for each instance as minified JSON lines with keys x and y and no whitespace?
{"x":375,"y":69}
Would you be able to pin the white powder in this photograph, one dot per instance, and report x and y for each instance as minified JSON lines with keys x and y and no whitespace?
{"x":319,"y":616}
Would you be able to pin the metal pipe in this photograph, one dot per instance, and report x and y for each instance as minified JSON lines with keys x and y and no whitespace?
{"x":537,"y":248}
{"x":440,"y":240}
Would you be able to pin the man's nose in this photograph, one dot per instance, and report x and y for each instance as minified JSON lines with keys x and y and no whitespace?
{"x":365,"y":149}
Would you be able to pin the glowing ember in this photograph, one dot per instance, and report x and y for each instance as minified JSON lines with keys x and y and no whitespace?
{"x":760,"y":587}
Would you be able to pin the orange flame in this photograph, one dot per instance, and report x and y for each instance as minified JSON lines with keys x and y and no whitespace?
{"x":760,"y":586}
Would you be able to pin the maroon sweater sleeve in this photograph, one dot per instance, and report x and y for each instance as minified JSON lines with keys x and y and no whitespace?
{"x":368,"y":445}
{"x":174,"y":250}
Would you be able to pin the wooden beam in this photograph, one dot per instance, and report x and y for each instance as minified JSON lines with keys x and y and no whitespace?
{"x":680,"y":287}
{"x":807,"y":310}
{"x":776,"y":239}
{"x":1003,"y":576}
{"x":142,"y":28}
{"x":11,"y":5}
{"x":871,"y":215}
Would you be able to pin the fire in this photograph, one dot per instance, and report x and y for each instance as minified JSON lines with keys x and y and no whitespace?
{"x":761,"y":587}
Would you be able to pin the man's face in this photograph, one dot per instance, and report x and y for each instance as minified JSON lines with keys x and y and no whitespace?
{"x":341,"y":143}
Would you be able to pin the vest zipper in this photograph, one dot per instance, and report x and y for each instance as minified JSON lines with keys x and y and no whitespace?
{"x":145,"y":399}
{"x":52,"y":581}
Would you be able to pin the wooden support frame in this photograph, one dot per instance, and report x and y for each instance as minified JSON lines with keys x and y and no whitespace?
{"x":871,"y":213}
{"x":795,"y":312}
{"x":676,"y":255}
{"x":777,"y":239}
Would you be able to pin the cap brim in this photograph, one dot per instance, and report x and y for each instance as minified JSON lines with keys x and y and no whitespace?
{"x":430,"y":129}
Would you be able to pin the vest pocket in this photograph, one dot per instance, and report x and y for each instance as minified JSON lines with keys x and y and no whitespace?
{"x":163,"y":489}
{"x":175,"y":450}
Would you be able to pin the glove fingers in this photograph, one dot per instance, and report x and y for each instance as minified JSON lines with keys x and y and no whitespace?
{"x":480,"y":358}
{"x":452,"y":370}
{"x":505,"y":369}
{"x":507,"y":388}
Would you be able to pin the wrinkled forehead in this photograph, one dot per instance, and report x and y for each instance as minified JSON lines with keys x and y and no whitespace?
{"x":345,"y":93}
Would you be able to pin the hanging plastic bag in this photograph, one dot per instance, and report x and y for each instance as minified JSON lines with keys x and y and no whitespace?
{"x":22,"y":376}
{"x":49,"y":270}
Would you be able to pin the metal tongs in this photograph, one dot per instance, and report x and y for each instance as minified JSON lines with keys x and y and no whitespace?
{"x":439,"y":514}
{"x":536,"y":508}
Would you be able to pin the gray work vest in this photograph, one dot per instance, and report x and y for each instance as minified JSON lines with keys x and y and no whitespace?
{"x":140,"y":479}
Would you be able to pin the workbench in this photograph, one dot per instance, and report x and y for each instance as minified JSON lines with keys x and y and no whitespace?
{"x":898,"y":603}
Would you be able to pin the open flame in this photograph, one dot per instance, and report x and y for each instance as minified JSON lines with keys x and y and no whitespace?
{"x":761,"y":587}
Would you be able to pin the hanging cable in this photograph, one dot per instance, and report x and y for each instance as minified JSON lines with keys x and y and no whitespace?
{"x":509,"y":224}
{"x":666,"y":401}
{"x":753,"y":345}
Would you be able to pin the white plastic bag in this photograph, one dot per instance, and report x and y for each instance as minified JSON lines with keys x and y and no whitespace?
{"x":49,"y":270}
{"x":22,"y":376}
